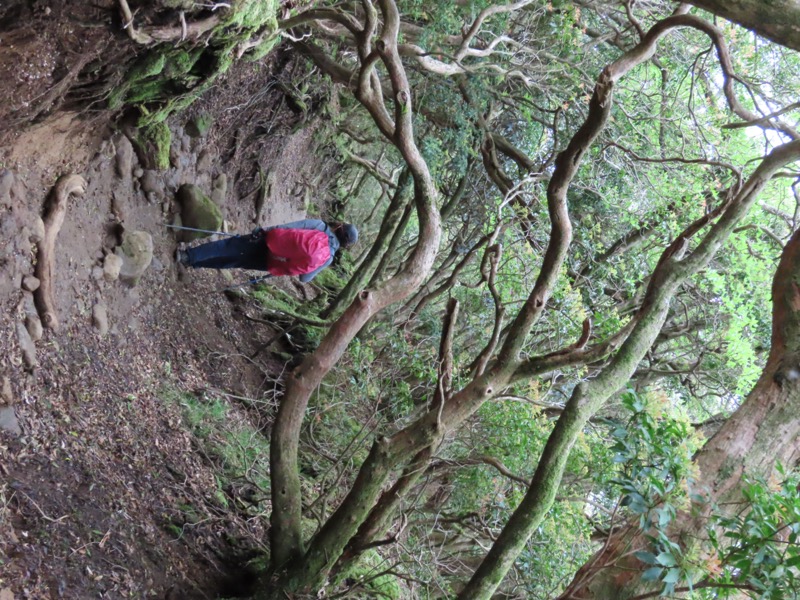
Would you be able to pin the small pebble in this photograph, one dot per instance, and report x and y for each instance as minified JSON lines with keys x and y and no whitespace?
{"x":30,"y":283}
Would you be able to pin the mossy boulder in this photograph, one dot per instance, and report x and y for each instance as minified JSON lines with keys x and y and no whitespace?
{"x":152,"y":145}
{"x":136,"y":252}
{"x":197,"y":211}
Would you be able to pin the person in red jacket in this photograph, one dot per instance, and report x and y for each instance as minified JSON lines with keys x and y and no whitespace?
{"x":301,"y":248}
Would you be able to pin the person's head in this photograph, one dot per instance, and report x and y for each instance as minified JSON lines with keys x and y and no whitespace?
{"x":346,"y":233}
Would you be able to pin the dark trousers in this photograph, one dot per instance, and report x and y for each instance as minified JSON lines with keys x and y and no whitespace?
{"x":240,"y":252}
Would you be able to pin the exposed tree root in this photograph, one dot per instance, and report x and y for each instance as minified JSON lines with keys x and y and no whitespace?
{"x":55,"y":211}
{"x":152,"y":35}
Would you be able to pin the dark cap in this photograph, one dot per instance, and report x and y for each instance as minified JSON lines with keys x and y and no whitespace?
{"x":347,"y":234}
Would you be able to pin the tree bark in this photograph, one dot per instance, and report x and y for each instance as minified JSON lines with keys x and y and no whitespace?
{"x":764,"y":431}
{"x":286,"y":539}
{"x":776,"y":20}
{"x":368,"y":266}
{"x":589,"y":396}
{"x":55,"y":211}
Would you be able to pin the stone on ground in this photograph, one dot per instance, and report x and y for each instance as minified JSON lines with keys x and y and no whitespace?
{"x":35,"y":230}
{"x":112,"y":264}
{"x":199,"y":126}
{"x":100,"y":318}
{"x":197,"y":211}
{"x":150,"y":182}
{"x":30,"y":283}
{"x":27,"y":347}
{"x":6,"y":182}
{"x":124,"y":162}
{"x":34,"y":326}
{"x":219,"y":189}
{"x":6,"y":393}
{"x":9,"y":422}
{"x":136,"y":252}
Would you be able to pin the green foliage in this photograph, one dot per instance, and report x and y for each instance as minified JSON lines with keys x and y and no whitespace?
{"x":158,"y":137}
{"x":284,"y":306}
{"x":239,"y":449}
{"x":757,"y":547}
{"x":168,"y":79}
{"x":367,"y":580}
{"x":653,"y":450}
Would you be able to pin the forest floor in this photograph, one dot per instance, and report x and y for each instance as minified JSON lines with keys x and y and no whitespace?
{"x":105,"y":491}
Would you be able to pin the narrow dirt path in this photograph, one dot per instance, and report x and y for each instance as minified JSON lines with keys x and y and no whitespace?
{"x":94,"y":460}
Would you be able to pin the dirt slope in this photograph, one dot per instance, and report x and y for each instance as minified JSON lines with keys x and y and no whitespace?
{"x":92,"y":481}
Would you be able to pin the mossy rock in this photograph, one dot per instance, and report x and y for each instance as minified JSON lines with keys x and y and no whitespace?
{"x":152,"y":145}
{"x":178,"y":4}
{"x":136,"y":252}
{"x":167,"y":79}
{"x":197,"y":211}
{"x":199,"y":126}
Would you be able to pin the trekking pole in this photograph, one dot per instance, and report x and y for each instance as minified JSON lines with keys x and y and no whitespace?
{"x":201,"y":230}
{"x":253,"y":281}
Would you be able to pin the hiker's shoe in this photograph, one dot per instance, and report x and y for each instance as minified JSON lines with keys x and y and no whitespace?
{"x":182,"y":257}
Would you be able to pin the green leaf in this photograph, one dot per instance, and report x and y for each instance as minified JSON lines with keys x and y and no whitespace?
{"x":793,"y":561}
{"x":666,"y":559}
{"x":652,"y":574}
{"x":672,"y":576}
{"x":646,"y":557}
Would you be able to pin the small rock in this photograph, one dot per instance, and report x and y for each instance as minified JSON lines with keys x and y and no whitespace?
{"x":157,"y":265}
{"x":219,"y":189}
{"x":36,"y":234}
{"x":6,"y":392}
{"x":19,"y":193}
{"x":97,"y":273}
{"x":100,"y":318}
{"x":138,"y":172}
{"x":136,"y":252}
{"x":34,"y":326}
{"x":124,"y":157}
{"x":153,"y":197}
{"x":9,"y":423}
{"x":107,"y":149}
{"x":27,"y":347}
{"x":175,"y":156}
{"x":118,"y":212}
{"x":111,"y":267}
{"x":30,"y":283}
{"x":6,"y":182}
{"x":186,"y":142}
{"x":204,"y":161}
{"x":26,"y":304}
{"x":24,"y":245}
{"x":197,"y":211}
{"x":150,"y":181}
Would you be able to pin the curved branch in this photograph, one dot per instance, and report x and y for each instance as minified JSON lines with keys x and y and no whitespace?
{"x":286,"y":531}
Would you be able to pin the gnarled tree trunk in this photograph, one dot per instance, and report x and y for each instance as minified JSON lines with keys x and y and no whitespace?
{"x":763,"y":432}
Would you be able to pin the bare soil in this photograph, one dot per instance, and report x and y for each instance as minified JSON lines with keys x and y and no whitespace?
{"x":96,"y":481}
